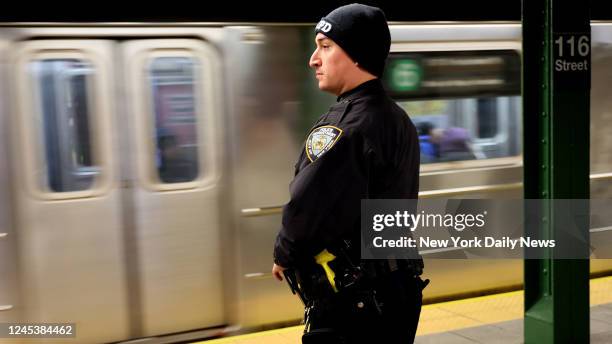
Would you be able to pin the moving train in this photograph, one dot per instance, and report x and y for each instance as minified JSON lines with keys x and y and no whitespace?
{"x":143,"y":167}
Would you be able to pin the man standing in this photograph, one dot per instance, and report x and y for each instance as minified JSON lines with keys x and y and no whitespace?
{"x":364,"y":147}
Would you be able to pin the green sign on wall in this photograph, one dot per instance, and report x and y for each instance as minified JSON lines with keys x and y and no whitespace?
{"x":405,"y":75}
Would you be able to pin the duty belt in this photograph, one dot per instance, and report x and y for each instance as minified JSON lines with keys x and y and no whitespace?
{"x":334,"y":273}
{"x":382,"y":267}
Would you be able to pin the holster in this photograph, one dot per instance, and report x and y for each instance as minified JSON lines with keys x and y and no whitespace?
{"x":354,"y":291}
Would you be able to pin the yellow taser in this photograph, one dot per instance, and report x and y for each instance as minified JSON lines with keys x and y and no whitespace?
{"x":322,"y":259}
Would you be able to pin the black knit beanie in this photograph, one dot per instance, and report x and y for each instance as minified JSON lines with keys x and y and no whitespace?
{"x":362,"y":32}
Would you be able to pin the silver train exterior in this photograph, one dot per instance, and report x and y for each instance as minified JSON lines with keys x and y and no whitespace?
{"x":95,"y":232}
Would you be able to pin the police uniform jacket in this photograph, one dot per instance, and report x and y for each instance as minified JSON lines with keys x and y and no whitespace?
{"x":364,"y":147}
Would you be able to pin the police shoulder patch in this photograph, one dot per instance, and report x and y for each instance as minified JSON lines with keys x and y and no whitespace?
{"x":321,"y":140}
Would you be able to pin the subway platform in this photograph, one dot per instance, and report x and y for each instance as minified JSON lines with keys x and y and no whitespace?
{"x":486,"y":319}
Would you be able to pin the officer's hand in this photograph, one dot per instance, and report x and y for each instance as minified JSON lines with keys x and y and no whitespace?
{"x":277,"y":272}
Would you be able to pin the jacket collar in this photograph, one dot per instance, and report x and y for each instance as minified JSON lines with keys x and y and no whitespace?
{"x":369,"y":87}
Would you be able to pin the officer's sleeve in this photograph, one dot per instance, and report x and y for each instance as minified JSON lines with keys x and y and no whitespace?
{"x":324,"y":204}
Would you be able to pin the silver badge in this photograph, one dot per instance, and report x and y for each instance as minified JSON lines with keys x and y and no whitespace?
{"x":321,"y":140}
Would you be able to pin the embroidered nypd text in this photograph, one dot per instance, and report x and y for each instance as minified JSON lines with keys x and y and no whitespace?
{"x":321,"y":140}
{"x":324,"y":26}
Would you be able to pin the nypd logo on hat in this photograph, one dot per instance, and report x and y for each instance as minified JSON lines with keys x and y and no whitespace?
{"x":324,"y":26}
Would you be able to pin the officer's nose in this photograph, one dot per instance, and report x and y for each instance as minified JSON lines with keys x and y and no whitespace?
{"x":315,"y":61}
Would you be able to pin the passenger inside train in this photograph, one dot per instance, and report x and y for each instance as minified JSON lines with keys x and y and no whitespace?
{"x":449,"y":144}
{"x":173,"y":165}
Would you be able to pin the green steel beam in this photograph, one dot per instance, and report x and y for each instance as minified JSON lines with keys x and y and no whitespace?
{"x":556,"y":89}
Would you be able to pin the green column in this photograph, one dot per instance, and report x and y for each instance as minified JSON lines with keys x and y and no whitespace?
{"x":556,"y":88}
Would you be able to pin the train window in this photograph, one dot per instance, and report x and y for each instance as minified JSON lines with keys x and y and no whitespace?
{"x":466,"y":105}
{"x":172,"y":81}
{"x":63,"y":113}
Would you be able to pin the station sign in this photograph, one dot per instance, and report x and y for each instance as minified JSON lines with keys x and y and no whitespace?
{"x":571,"y":60}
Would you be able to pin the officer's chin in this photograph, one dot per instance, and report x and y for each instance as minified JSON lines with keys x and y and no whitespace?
{"x":323,"y":86}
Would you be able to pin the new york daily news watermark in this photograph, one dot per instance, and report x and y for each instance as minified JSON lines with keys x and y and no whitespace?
{"x":458,"y":222}
{"x":486,"y":228}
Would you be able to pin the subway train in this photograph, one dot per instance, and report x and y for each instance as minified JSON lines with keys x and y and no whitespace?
{"x":143,"y":167}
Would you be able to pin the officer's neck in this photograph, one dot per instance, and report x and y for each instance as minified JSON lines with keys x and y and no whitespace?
{"x":353,"y":78}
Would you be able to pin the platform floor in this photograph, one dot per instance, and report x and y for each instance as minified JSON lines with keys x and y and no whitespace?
{"x":487,"y":319}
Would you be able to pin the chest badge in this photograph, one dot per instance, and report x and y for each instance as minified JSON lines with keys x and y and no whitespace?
{"x":321,"y":140}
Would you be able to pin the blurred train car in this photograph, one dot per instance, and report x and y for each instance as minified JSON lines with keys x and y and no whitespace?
{"x":142,"y":167}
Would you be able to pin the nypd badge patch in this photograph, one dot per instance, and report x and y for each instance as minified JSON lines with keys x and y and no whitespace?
{"x":321,"y":140}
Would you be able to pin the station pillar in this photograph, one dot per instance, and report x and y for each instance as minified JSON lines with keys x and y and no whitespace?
{"x":556,"y":118}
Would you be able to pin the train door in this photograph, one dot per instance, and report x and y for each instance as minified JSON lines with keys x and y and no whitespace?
{"x":173,"y":107}
{"x":68,"y":224}
{"x":8,"y":292}
{"x":117,"y":190}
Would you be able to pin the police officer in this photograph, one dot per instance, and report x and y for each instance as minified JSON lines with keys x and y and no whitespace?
{"x":364,"y":147}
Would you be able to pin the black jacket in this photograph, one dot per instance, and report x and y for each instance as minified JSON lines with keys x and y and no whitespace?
{"x":364,"y":147}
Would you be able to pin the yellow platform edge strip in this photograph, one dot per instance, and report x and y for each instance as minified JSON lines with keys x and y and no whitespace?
{"x":593,"y":302}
